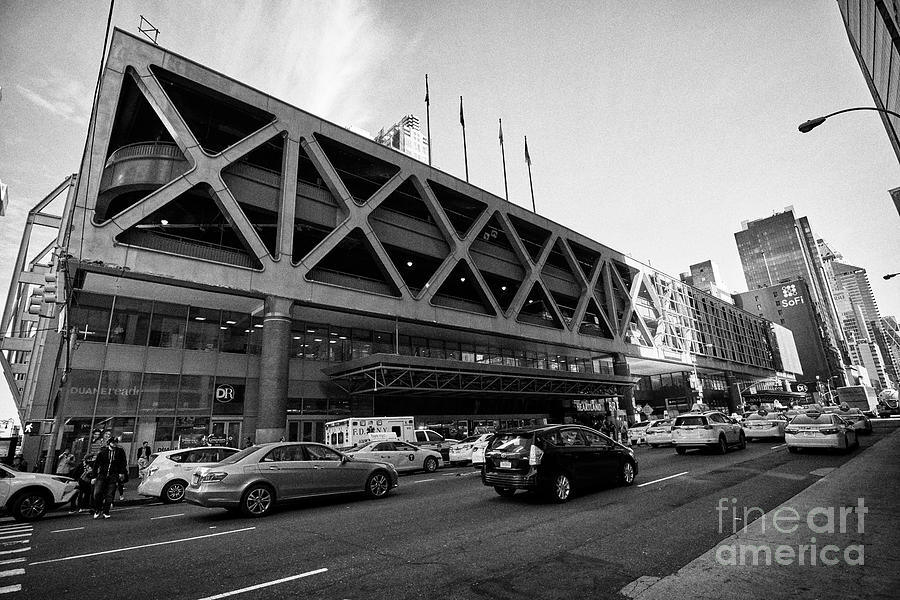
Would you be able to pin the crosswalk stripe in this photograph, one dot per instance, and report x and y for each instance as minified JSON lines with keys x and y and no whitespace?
{"x":11,"y":588}
{"x":15,"y":551}
{"x":12,"y":572}
{"x":15,"y":535}
{"x":10,"y":561}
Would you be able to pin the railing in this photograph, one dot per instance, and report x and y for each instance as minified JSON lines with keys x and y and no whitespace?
{"x":187,"y":247}
{"x":145,"y":150}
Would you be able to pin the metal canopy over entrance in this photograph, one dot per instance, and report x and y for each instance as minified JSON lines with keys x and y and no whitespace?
{"x":388,"y":374}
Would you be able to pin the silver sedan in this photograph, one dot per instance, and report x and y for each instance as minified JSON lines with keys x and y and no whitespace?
{"x":254,"y":480}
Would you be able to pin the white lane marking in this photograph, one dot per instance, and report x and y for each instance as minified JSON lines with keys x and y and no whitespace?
{"x":663,"y":479}
{"x":196,"y":537}
{"x":12,"y":572}
{"x":18,"y":529}
{"x":15,"y":535}
{"x":10,"y":561}
{"x":11,"y":588}
{"x":63,"y":530}
{"x":15,"y":551}
{"x":263,"y":585}
{"x":424,"y":480}
{"x":778,"y":446}
{"x":167,"y":516}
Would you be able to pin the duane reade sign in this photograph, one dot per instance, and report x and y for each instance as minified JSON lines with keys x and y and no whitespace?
{"x":224,"y":393}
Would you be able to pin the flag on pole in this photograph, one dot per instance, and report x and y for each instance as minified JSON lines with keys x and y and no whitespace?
{"x":462,"y":120}
{"x":427,"y":100}
{"x":527,"y":156}
{"x":501,"y":132}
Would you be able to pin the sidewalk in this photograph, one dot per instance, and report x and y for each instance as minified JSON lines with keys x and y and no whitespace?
{"x":792,"y":559}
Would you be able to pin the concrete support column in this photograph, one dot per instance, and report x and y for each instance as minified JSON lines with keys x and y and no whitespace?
{"x":273,"y":370}
{"x":620,"y":367}
{"x":734,"y":393}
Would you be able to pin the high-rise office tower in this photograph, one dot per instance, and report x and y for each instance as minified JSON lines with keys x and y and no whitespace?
{"x":405,"y":136}
{"x":781,"y":249}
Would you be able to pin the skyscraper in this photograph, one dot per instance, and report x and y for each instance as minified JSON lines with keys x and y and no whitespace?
{"x":405,"y":136}
{"x":781,"y":249}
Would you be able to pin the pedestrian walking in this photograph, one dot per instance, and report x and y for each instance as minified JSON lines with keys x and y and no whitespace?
{"x":83,"y":474}
{"x":111,"y":467}
{"x":143,"y":460}
{"x":65,"y":463}
{"x":20,"y":464}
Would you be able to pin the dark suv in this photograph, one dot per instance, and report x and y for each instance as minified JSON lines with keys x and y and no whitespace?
{"x":554,"y":459}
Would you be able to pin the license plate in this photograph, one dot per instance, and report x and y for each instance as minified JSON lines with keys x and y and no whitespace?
{"x":505,"y":464}
{"x":807,"y":433}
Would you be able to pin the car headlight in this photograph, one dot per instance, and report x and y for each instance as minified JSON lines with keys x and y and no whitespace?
{"x":213,"y":476}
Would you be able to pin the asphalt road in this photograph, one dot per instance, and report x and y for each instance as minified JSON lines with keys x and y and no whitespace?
{"x":440,"y":535}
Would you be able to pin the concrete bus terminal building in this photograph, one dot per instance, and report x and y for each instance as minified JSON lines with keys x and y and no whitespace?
{"x":229,"y":266}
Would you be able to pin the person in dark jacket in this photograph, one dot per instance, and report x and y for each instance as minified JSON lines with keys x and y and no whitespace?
{"x":110,"y":468}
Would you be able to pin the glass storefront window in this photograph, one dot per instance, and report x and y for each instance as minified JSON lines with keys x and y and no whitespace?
{"x":339,"y":344}
{"x":167,"y":325}
{"x":79,"y":392}
{"x":452,"y":350}
{"x":316,"y":342}
{"x":362,"y":342}
{"x":298,"y":337}
{"x":159,"y":393}
{"x":384,"y":343}
{"x":77,"y":436}
{"x":228,"y":396}
{"x":119,"y":392}
{"x":119,"y":427}
{"x":315,"y":406}
{"x":255,"y":333}
{"x":234,"y":332}
{"x":195,"y":394}
{"x":89,"y":317}
{"x":468,"y":352}
{"x":202,"y":329}
{"x":130,"y":321}
{"x":338,"y":406}
{"x":190,"y":432}
{"x":165,"y":430}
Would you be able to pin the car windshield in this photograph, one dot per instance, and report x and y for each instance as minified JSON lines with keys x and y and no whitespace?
{"x":239,"y":455}
{"x":512,"y":442}
{"x":367,"y":447}
{"x":696,"y":420}
{"x":812,"y":419}
{"x":470,"y":439}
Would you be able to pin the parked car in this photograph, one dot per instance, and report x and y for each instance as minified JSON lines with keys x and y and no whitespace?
{"x":169,"y":472}
{"x":861,"y":423}
{"x":820,"y":430}
{"x":461,"y":453}
{"x":555,"y":460}
{"x":257,"y":478}
{"x":478,"y":449}
{"x":707,"y":429}
{"x":404,"y":457}
{"x":659,"y":432}
{"x":765,"y":425}
{"x":637,"y":433}
{"x":29,"y":496}
{"x":428,"y":438}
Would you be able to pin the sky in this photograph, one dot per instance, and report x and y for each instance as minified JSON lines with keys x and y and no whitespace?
{"x":654,"y":127}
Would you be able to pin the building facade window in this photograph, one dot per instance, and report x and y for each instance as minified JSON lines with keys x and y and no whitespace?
{"x":167,"y":325}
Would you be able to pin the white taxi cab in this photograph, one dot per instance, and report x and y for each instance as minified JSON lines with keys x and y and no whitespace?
{"x":820,"y":430}
{"x":169,"y":472}
{"x":659,"y":432}
{"x":706,"y":429}
{"x":764,"y":424}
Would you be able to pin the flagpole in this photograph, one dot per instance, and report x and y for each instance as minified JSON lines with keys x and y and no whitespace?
{"x":428,"y":117}
{"x":503,"y":154}
{"x":462,"y":121}
{"x":530,"y":182}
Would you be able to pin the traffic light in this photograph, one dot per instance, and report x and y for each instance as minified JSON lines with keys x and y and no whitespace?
{"x":36,"y":301}
{"x":50,"y":288}
{"x":32,"y":428}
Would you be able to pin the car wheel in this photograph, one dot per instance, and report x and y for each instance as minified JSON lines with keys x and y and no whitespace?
{"x":378,"y":484}
{"x":680,"y":450}
{"x":173,"y":492}
{"x":722,"y":447}
{"x":505,"y":492}
{"x":430,"y":465}
{"x":30,"y":506}
{"x":258,"y":501}
{"x":742,"y":441}
{"x":562,"y":488}
{"x":626,"y":473}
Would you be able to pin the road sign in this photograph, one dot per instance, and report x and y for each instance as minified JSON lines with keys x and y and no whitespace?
{"x":36,"y":427}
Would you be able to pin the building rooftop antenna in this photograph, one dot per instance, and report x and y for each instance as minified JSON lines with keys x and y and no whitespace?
{"x":147,"y":28}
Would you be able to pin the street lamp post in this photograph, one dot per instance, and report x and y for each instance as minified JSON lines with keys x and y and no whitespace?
{"x":813,"y":123}
{"x":889,"y":275}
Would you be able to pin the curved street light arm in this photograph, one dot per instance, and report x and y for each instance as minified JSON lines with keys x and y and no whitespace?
{"x":813,"y":123}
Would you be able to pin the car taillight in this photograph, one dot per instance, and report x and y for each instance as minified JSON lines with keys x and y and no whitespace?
{"x":214,"y":476}
{"x":791,"y":430}
{"x":534,"y":456}
{"x":829,"y":430}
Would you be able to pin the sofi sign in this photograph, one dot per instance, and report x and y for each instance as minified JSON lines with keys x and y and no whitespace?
{"x":791,"y":297}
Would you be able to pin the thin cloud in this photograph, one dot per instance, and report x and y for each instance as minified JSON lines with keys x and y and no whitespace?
{"x":60,"y":96}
